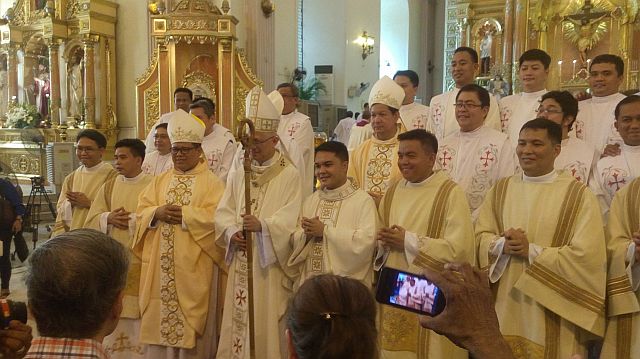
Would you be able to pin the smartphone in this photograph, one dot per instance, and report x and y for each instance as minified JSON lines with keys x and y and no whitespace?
{"x":409,"y":291}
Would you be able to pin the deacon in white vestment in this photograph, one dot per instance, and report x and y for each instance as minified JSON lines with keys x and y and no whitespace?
{"x":613,"y":173}
{"x":182,"y":98}
{"x":412,"y":114}
{"x":159,"y":161}
{"x":342,"y":132}
{"x":338,"y":222}
{"x":113,"y":213}
{"x":517,"y":109}
{"x":595,"y":121}
{"x":475,"y":157}
{"x":577,"y":157}
{"x":442,"y":118}
{"x":296,"y":133}
{"x":218,"y":144}
{"x":276,"y":200}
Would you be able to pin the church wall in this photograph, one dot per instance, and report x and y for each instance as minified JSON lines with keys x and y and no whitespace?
{"x":285,"y":40}
{"x":394,"y":36}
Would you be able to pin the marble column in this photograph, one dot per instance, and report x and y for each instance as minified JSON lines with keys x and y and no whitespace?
{"x":89,"y":82}
{"x":12,"y":72}
{"x":54,"y":76}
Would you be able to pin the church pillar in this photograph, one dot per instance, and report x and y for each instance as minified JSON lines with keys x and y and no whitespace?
{"x":520,"y":29}
{"x":12,"y":72}
{"x":507,"y":44}
{"x":54,"y":75}
{"x":261,"y":53}
{"x":89,"y":82}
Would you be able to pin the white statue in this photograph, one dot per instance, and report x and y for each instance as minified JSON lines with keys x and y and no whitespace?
{"x":75,"y":86}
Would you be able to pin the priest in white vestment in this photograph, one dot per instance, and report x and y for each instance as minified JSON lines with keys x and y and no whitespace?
{"x":577,"y":157}
{"x":595,"y":121}
{"x":276,"y":199}
{"x":296,"y":133}
{"x":218,"y":144}
{"x":175,"y":241}
{"x":622,"y":338}
{"x":426,"y":222}
{"x":342,"y":132}
{"x":338,"y":222}
{"x":182,"y":98}
{"x":113,"y":212}
{"x":442,"y":118}
{"x":373,"y":163}
{"x":477,"y":156}
{"x":517,"y":109}
{"x":360,"y":132}
{"x":613,"y":173}
{"x":79,"y":188}
{"x":159,"y":161}
{"x":412,"y":114}
{"x":540,"y":236}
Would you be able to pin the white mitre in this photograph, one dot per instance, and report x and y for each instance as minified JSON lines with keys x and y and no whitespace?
{"x":264,"y":111}
{"x":387,"y":92}
{"x":184,"y":127}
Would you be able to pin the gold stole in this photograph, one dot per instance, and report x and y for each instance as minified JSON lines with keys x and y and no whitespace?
{"x":400,"y":329}
{"x":240,"y":319}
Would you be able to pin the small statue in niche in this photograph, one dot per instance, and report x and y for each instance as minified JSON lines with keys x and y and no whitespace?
{"x":486,"y":31}
{"x":42,"y":89}
{"x":75,"y":84}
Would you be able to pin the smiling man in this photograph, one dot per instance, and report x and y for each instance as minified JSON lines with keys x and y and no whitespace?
{"x":412,"y":114}
{"x":113,"y":213}
{"x":337,"y":228}
{"x":182,"y":98}
{"x":159,"y":160}
{"x":539,"y":234}
{"x":426,"y":222}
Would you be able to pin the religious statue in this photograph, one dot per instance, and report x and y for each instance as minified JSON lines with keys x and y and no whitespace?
{"x":75,"y":85}
{"x":498,"y":87}
{"x":585,"y":29}
{"x":485,"y":48}
{"x":41,"y":90}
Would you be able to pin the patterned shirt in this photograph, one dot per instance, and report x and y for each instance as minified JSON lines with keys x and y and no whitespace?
{"x":54,"y":348}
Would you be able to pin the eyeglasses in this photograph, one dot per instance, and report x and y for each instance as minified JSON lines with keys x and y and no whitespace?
{"x":548,"y":110}
{"x":81,"y":149}
{"x":466,"y":106}
{"x":183,"y":150}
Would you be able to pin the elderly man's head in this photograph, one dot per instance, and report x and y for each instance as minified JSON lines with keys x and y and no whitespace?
{"x":75,"y":283}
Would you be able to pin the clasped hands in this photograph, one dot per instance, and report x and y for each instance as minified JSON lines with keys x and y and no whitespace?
{"x":516,"y":243}
{"x":392,"y":237}
{"x":119,"y":218}
{"x":313,"y":228}
{"x":78,"y":199}
{"x":169,"y":213}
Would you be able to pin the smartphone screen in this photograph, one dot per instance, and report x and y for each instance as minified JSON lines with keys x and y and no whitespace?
{"x":409,"y":291}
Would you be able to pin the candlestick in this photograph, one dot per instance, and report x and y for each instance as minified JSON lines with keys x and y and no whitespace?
{"x":560,"y":70}
{"x":573,"y":76}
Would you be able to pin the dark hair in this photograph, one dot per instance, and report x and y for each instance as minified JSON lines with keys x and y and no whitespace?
{"x":134,"y":145}
{"x":365,"y":104}
{"x":183,"y":90}
{"x":567,"y":102}
{"x":554,"y":130}
{"x":332,"y":317}
{"x":366,"y":114}
{"x":535,"y":55}
{"x":73,"y":280}
{"x":205,"y":104}
{"x":294,"y":88}
{"x":93,"y":135}
{"x":335,"y":147}
{"x":473,"y":53}
{"x":609,"y":59}
{"x":483,"y":94}
{"x":356,"y":115}
{"x":625,"y":101}
{"x":427,"y":139}
{"x":164,"y":125}
{"x":410,"y":74}
{"x":349,"y":114}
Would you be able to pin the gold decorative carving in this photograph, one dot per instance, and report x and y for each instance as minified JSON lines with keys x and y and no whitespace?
{"x":227,"y":45}
{"x":23,"y":163}
{"x":224,"y":25}
{"x":247,"y":69}
{"x":192,"y":24}
{"x":201,"y":83}
{"x":153,"y":64}
{"x":151,"y":106}
{"x":73,"y":7}
{"x":159,"y":25}
{"x":239,"y":95}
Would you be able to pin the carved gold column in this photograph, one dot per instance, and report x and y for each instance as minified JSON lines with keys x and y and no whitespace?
{"x":54,"y":75}
{"x":12,"y":72}
{"x":520,"y":29}
{"x":507,"y":45}
{"x":89,"y":42}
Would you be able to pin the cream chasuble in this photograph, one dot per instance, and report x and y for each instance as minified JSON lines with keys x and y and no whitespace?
{"x":116,"y":193}
{"x":548,"y":302}
{"x":414,"y":115}
{"x":219,"y":147}
{"x":296,"y":133}
{"x":613,"y":173}
{"x":179,"y":264}
{"x":87,"y":181}
{"x":578,"y":159}
{"x":442,"y":115}
{"x":374,"y":164}
{"x":595,"y":121}
{"x":342,"y":132}
{"x":358,"y":135}
{"x":475,"y":161}
{"x":350,"y":217}
{"x":155,"y":163}
{"x":276,"y":201}
{"x":438,"y":227}
{"x":622,"y":340}
{"x":516,"y":110}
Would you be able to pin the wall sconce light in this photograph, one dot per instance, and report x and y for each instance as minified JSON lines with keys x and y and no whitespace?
{"x":366,"y":41}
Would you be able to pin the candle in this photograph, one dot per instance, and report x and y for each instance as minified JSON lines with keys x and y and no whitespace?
{"x":560,"y":70}
{"x":573,"y":76}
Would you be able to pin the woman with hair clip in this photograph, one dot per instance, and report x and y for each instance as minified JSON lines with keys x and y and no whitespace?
{"x":332,"y":317}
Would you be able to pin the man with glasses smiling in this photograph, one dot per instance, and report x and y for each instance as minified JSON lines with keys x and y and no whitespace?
{"x":80,"y":186}
{"x":174,"y":238}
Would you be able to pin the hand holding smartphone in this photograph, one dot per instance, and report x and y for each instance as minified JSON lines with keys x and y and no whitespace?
{"x":409,"y":291}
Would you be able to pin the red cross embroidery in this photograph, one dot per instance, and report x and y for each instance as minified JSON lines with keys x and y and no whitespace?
{"x":504,"y":120}
{"x":213,"y":160}
{"x":437,"y":113}
{"x":444,"y":158}
{"x":573,"y":173}
{"x":241,"y":297}
{"x":292,"y":130}
{"x":418,"y":124}
{"x":617,"y":182}
{"x":487,"y":157}
{"x":237,"y":345}
{"x":579,"y":128}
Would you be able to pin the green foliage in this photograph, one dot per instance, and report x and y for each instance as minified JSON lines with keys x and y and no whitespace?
{"x":310,"y":89}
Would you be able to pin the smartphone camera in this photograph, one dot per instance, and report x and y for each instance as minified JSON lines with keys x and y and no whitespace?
{"x":409,"y":291}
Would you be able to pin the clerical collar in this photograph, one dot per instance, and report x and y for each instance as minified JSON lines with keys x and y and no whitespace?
{"x":536,"y":94}
{"x":268,"y":162}
{"x":628,"y":148}
{"x":548,"y":178}
{"x":418,"y":184}
{"x":392,"y":140}
{"x":408,"y":106}
{"x":603,"y":99}
{"x":133,"y":179}
{"x":472,"y":134}
{"x":95,"y":168}
{"x":290,"y":114}
{"x":340,"y":193}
